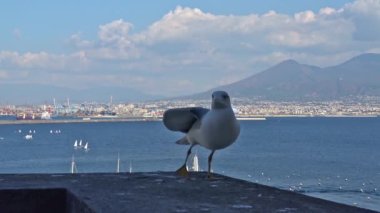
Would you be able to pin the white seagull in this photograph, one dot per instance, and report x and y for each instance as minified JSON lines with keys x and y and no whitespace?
{"x":213,"y":129}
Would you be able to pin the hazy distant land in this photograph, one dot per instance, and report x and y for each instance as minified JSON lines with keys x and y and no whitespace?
{"x":286,"y":81}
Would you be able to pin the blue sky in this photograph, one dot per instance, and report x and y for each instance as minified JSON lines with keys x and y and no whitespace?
{"x":176,"y":47}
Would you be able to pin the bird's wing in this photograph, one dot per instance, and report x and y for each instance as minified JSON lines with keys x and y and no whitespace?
{"x":182,"y":119}
{"x":199,"y":112}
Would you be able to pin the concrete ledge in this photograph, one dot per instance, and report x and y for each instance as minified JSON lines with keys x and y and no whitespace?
{"x":58,"y":200}
{"x":150,"y":192}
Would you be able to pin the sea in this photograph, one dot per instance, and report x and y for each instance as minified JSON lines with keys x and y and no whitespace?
{"x":331,"y":158}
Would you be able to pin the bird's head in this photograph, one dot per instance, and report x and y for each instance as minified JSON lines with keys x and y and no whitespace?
{"x":220,"y":100}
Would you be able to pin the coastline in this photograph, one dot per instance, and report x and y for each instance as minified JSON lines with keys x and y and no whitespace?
{"x":144,"y":119}
{"x":52,"y":121}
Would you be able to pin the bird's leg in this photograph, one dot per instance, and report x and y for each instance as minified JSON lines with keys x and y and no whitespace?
{"x":182,"y":171}
{"x":209,"y":164}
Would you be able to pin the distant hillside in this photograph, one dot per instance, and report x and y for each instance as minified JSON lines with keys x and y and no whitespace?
{"x":290,"y":80}
{"x":37,"y":93}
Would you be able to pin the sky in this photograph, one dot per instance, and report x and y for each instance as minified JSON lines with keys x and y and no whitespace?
{"x":173,"y":48}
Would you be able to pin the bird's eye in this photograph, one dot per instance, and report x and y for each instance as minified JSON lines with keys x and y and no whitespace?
{"x":212,"y":96}
{"x":225,"y":96}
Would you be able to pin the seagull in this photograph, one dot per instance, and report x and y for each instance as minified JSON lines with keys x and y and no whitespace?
{"x":214,"y":128}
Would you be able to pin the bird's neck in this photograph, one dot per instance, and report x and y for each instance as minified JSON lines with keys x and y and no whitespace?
{"x":222,"y":109}
{"x":216,"y":105}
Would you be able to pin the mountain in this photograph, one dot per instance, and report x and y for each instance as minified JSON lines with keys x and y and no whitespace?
{"x":289,"y":80}
{"x":38,"y":93}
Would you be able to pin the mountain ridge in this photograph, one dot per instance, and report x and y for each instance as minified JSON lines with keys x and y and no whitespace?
{"x":292,"y":81}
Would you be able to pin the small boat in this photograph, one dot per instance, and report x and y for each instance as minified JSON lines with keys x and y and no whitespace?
{"x":28,"y":137}
{"x":76,"y":144}
{"x":45,"y":116}
{"x":80,"y":143}
{"x":25,"y":116}
{"x":86,"y":147}
{"x":130,"y":166}
{"x":51,"y":131}
{"x":30,"y":131}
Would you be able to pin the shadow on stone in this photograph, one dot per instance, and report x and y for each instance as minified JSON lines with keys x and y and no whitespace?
{"x":40,"y":200}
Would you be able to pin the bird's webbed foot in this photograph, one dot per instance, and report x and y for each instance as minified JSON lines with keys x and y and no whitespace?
{"x":182,"y":171}
{"x":209,"y":176}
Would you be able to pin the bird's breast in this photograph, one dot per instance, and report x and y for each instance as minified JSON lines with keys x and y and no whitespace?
{"x":218,"y":130}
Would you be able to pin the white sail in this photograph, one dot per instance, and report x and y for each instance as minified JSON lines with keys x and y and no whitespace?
{"x":80,"y":143}
{"x":130,"y":166}
{"x":86,"y":147}
{"x":73,"y":166}
{"x":195,"y":166}
{"x":76,"y":144}
{"x":118,"y":163}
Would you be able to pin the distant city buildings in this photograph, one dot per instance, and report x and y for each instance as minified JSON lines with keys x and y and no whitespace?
{"x":243,"y":108}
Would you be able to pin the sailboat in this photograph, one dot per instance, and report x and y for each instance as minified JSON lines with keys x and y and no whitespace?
{"x":73,"y":166}
{"x":80,"y":143}
{"x":195,"y":166}
{"x":86,"y":147}
{"x":130,"y":166}
{"x":28,"y":137}
{"x":118,"y":163}
{"x":76,"y":144}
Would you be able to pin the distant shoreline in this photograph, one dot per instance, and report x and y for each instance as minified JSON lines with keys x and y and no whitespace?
{"x":52,"y":121}
{"x":108,"y":120}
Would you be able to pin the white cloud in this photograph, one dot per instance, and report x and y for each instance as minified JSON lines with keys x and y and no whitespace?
{"x":77,"y":41}
{"x":193,"y":50}
{"x":43,"y":60}
{"x":3,"y":74}
{"x":115,"y":33}
{"x":114,"y":42}
{"x":305,"y":17}
{"x":365,"y":15}
{"x":327,"y":11}
{"x":177,"y":24}
{"x":364,"y":7}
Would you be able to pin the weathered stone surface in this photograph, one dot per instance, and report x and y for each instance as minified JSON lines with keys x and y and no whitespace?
{"x":151,"y":192}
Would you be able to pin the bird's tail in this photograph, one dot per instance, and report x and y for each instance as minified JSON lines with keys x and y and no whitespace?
{"x":183,"y":141}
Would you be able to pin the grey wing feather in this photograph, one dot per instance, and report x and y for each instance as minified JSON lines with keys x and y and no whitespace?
{"x":182,"y":119}
{"x":199,"y":112}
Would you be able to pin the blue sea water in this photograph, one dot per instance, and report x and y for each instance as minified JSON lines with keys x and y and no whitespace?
{"x":332,"y":158}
